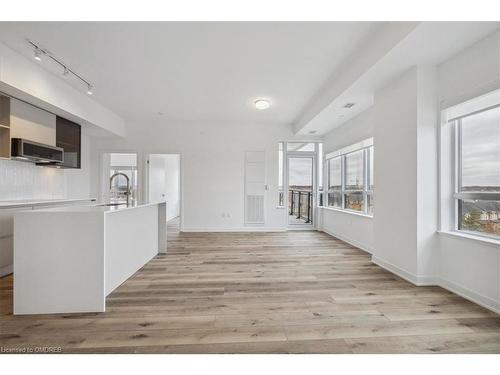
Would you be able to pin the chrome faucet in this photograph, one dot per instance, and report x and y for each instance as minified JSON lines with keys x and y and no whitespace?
{"x":127,"y":193}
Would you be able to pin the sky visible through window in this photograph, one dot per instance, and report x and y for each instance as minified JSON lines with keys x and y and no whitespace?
{"x":481,"y":149}
{"x":300,"y":172}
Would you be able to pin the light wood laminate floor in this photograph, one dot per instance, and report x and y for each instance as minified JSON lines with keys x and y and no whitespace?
{"x":290,"y":292}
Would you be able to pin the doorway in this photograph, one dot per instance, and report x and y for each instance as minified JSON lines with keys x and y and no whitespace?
{"x":301,"y":178}
{"x":163,"y":184}
{"x":120,"y":178}
{"x":301,"y":189}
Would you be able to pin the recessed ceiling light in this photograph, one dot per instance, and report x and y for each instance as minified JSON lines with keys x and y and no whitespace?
{"x":262,"y":104}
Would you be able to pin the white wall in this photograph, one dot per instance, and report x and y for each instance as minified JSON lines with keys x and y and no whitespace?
{"x":469,"y":267}
{"x":395,"y":177}
{"x":354,"y":229}
{"x":172,"y":181}
{"x":212,"y":157}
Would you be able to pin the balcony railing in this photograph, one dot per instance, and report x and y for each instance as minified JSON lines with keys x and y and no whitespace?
{"x":300,"y":204}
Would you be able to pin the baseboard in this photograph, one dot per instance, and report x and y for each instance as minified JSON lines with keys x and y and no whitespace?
{"x":350,"y":241}
{"x":408,"y":276}
{"x":486,"y":302}
{"x":464,"y":292}
{"x":238,"y":229}
{"x":6,"y":270}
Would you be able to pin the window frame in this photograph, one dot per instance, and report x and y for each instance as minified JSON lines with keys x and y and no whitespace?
{"x":457,"y":194}
{"x":364,"y":147}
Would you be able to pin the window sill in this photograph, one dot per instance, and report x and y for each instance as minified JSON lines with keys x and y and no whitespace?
{"x":472,"y":237}
{"x":346,"y":212}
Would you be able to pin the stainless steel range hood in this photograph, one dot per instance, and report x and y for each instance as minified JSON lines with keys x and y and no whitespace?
{"x":26,"y":150}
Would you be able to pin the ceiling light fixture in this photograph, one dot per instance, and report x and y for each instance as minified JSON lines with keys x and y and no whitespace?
{"x":38,"y":54}
{"x":39,"y":51}
{"x":349,"y":105}
{"x":262,"y":104}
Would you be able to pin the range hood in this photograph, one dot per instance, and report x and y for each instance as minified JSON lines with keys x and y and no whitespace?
{"x":26,"y":150}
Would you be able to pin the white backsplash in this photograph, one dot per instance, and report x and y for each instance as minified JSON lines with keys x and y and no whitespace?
{"x":23,"y":180}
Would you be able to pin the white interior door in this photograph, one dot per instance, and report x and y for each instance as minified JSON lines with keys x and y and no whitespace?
{"x":157,"y":187}
{"x":164,"y":181}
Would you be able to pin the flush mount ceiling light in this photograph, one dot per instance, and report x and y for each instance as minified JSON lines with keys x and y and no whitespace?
{"x":39,"y":51}
{"x":261,"y":104}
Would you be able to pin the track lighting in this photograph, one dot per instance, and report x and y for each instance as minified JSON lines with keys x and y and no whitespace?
{"x":38,"y":54}
{"x":40,"y":50}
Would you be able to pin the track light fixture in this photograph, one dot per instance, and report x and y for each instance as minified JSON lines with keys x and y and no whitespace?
{"x":39,"y":51}
{"x":38,"y":54}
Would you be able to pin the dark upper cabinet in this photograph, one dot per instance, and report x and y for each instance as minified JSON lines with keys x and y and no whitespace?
{"x":69,"y":137}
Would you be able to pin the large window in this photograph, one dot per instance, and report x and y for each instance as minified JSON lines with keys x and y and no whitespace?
{"x":281,"y":196}
{"x":350,"y":178}
{"x":477,"y":194}
{"x":335,"y":182}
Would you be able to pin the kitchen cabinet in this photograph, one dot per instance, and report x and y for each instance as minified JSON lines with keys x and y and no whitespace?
{"x":4,"y":127}
{"x":69,"y":137}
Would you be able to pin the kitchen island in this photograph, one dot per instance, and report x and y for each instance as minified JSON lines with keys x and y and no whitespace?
{"x":68,"y":259}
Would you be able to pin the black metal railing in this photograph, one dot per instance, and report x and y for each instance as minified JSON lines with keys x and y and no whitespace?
{"x":300,"y":204}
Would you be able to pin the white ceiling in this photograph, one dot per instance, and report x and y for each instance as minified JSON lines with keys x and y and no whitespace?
{"x":208,"y":71}
{"x":428,"y":43}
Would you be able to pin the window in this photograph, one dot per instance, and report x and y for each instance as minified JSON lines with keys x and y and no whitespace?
{"x":354,"y":181}
{"x":281,"y":197}
{"x":350,"y":178}
{"x":335,"y":182}
{"x":369,"y":193}
{"x":477,"y":193}
{"x":320,"y":175}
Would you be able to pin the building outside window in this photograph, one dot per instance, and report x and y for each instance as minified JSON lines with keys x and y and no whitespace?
{"x":477,"y":194}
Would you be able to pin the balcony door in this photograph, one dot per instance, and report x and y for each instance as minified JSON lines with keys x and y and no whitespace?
{"x":301,"y":188}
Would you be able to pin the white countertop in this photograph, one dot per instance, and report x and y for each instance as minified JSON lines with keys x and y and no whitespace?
{"x":41,"y":202}
{"x":94,"y":208}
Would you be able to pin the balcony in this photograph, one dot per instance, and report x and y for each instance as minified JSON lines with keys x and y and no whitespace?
{"x":300,"y":206}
